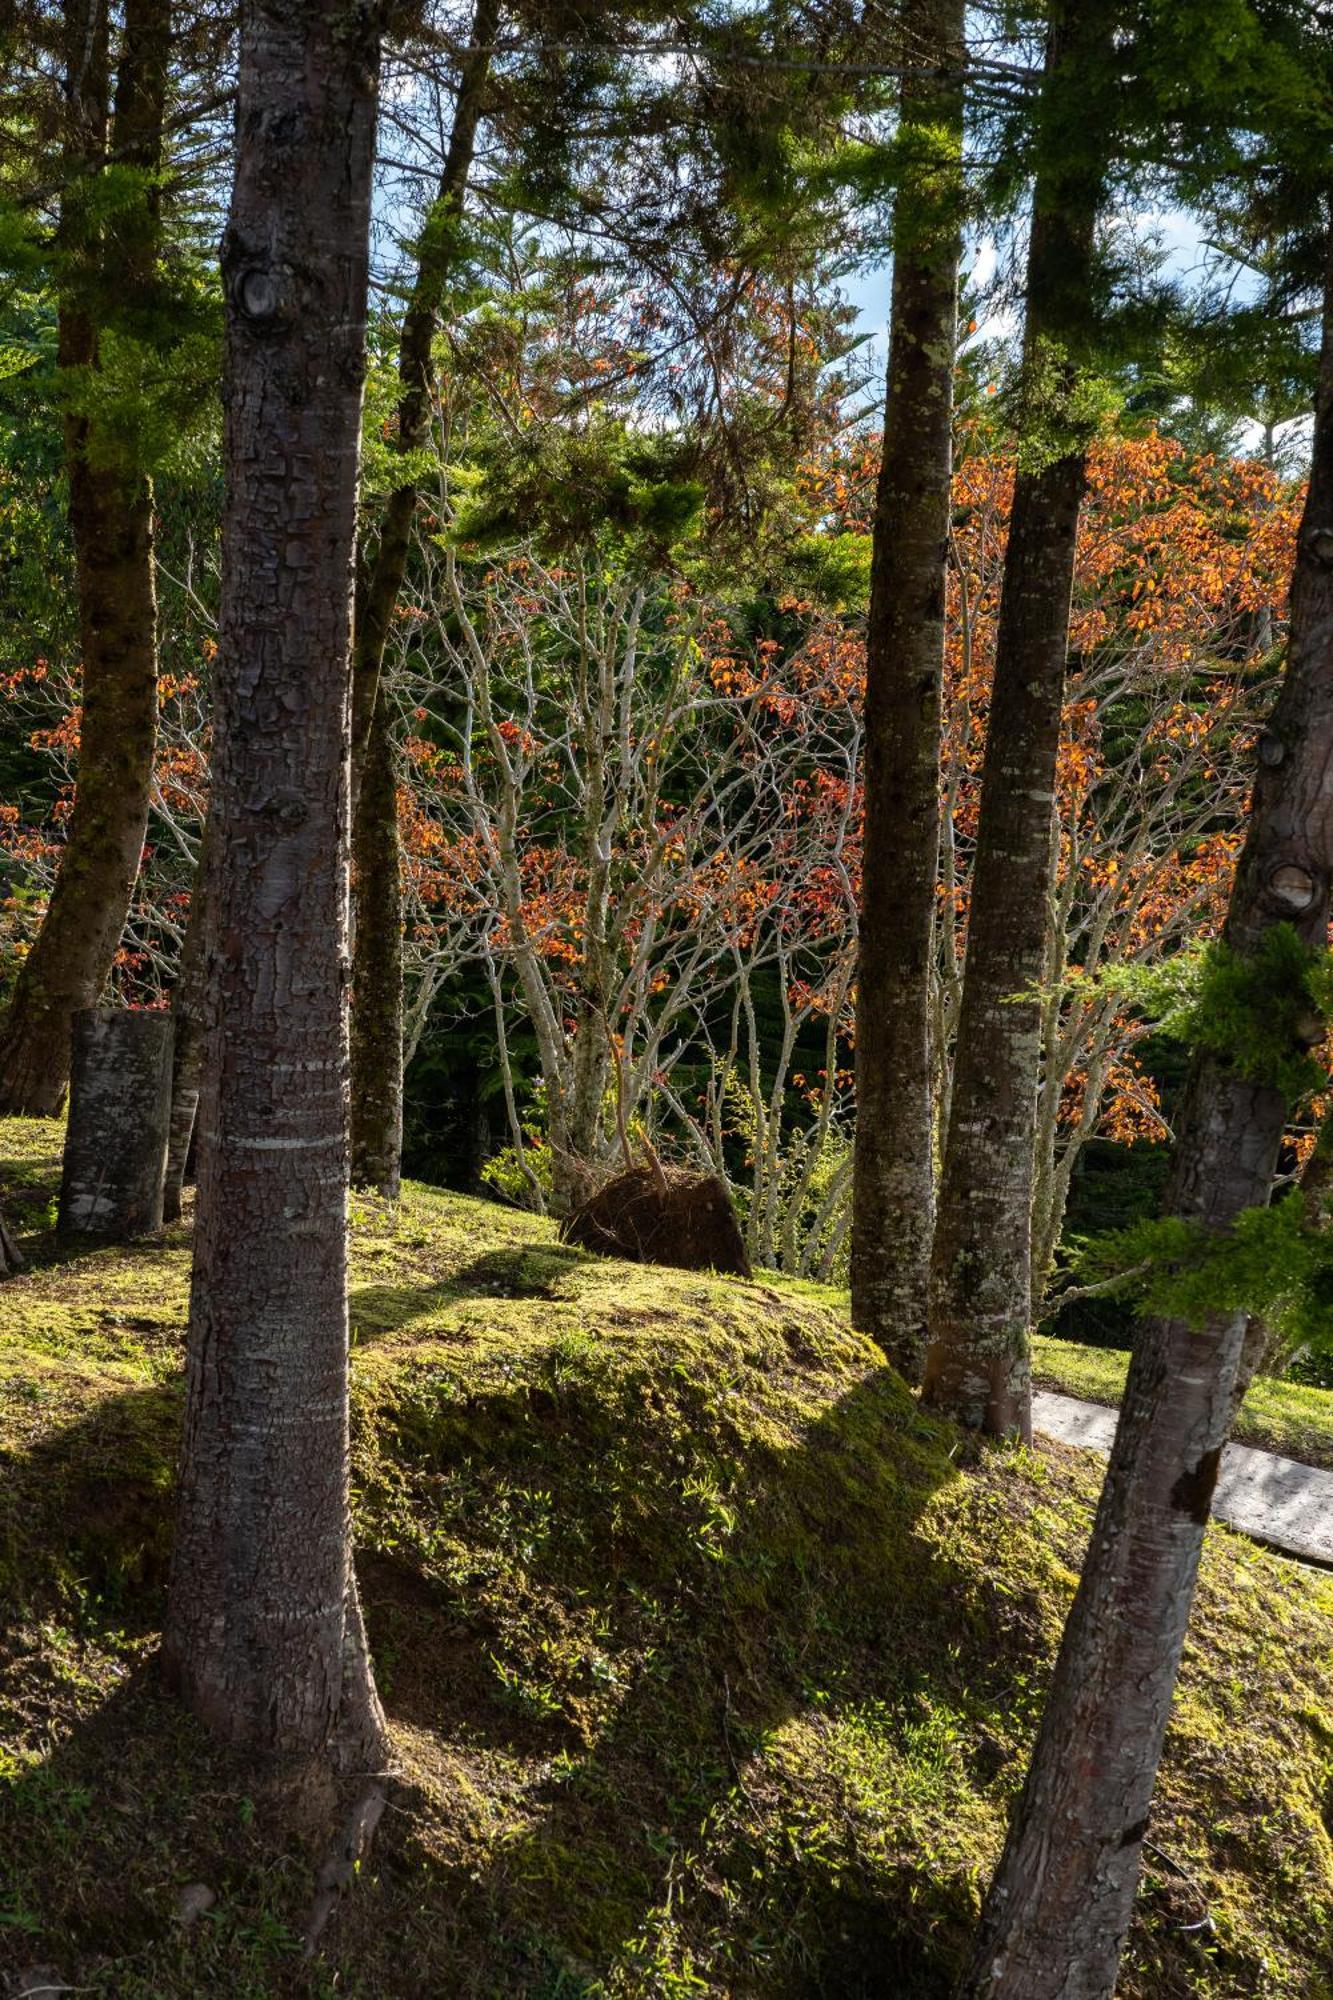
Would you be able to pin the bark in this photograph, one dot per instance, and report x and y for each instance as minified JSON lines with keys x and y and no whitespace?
{"x":116,"y":1139}
{"x":377,"y":984}
{"x":377,"y":978}
{"x":111,"y":523}
{"x":978,"y":1362}
{"x":1059,"y":1909}
{"x":10,"y":1257}
{"x":187,"y":1012}
{"x":894,"y":1172}
{"x":263,"y":1631}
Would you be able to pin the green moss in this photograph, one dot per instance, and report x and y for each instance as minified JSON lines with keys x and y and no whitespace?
{"x":711,"y":1669}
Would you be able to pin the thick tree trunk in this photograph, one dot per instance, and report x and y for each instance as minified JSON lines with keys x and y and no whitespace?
{"x":187,"y":1012}
{"x":977,"y":1365}
{"x":1055,"y":1921}
{"x":111,"y":521}
{"x":894,"y":1172}
{"x":116,"y":1140}
{"x":377,"y":987}
{"x":377,"y":977}
{"x":263,"y":1631}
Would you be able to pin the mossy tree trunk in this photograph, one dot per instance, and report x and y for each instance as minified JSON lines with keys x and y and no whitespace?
{"x":1059,"y":1909}
{"x":377,"y":973}
{"x":894,"y":1170}
{"x":978,"y":1361}
{"x":263,"y":1630}
{"x":111,"y":523}
{"x":11,"y":1259}
{"x":116,"y":1140}
{"x":377,"y":965}
{"x":187,"y":1063}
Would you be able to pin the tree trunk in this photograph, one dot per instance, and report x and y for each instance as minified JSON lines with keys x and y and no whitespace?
{"x":978,"y":1363}
{"x":377,"y":976}
{"x":111,"y":521}
{"x":894,"y":1172}
{"x":377,"y":985}
{"x":116,"y":1140}
{"x":263,"y":1631}
{"x":187,"y":1011}
{"x":10,"y":1259}
{"x":1059,"y":1909}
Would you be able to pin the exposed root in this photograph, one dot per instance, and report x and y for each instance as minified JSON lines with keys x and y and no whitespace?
{"x":338,"y":1870}
{"x":655,"y":1214}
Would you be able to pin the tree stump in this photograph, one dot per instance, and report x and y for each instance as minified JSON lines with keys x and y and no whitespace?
{"x":119,"y":1113}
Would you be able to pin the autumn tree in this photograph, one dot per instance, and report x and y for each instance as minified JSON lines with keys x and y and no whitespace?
{"x":263,"y":1632}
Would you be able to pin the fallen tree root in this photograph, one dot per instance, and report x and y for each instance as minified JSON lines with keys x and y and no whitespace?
{"x":661,"y":1215}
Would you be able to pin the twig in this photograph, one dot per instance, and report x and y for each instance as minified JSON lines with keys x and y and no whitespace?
{"x":1205,"y":1923}
{"x":1056,"y":1300}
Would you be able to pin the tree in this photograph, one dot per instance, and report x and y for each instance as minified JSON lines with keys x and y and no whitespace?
{"x":1059,"y":1908}
{"x":977,"y":1366}
{"x":377,"y":960}
{"x":893,"y":1198}
{"x":111,"y":520}
{"x":263,"y":1631}
{"x":614,"y":831}
{"x":1174,"y":612}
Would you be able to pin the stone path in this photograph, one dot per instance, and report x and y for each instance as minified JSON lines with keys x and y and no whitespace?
{"x":1276,"y":1500}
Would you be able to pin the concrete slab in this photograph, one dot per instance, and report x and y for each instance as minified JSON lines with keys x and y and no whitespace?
{"x":1276,"y":1500}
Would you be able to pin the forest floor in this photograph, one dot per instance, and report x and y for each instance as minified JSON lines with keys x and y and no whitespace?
{"x":712,"y":1662}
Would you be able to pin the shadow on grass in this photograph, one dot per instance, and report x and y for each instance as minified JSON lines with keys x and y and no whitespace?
{"x":85,"y":1508}
{"x":528,"y":1271}
{"x":602,"y":1592}
{"x":663,"y":1596}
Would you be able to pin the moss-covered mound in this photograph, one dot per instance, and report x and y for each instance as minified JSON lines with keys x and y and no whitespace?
{"x":712,"y":1666}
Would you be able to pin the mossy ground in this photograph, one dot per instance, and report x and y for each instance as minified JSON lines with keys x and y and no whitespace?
{"x":1277,"y":1415}
{"x":711,"y":1664}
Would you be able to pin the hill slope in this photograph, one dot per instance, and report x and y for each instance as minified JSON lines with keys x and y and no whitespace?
{"x":711,"y":1664}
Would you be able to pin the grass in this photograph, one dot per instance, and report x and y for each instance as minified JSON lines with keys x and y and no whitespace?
{"x":1285,"y":1417}
{"x":712,"y":1662}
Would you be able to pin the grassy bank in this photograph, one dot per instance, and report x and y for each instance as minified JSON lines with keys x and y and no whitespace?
{"x":712,"y":1663}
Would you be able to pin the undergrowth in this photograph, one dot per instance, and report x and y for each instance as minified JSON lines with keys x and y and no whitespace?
{"x":712,"y":1663}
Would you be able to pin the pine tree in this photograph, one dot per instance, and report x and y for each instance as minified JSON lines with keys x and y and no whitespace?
{"x":894,"y":1172}
{"x":377,"y":960}
{"x":263,"y":1631}
{"x":1059,"y":1908}
{"x":111,"y":521}
{"x":978,"y":1361}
